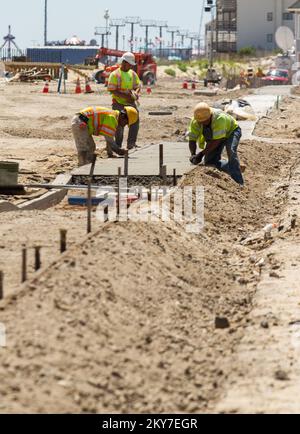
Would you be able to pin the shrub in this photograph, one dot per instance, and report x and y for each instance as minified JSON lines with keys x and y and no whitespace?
{"x":182,"y":66}
{"x":247,"y":51}
{"x":170,"y":72}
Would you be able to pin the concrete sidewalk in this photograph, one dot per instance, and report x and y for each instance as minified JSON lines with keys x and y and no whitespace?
{"x":145,"y":161}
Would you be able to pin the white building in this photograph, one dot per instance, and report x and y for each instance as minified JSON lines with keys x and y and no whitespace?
{"x":295,"y":9}
{"x":258,"y":20}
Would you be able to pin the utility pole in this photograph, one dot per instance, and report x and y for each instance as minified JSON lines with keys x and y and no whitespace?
{"x":147,"y":24}
{"x":132,"y":21}
{"x":117,"y":23}
{"x":46,"y":23}
{"x":173,"y":31}
{"x":161,"y":25}
{"x":192,"y":37}
{"x":183,"y":34}
{"x":101,"y":31}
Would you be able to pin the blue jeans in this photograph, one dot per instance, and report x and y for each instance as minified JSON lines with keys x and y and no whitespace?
{"x":232,"y":165}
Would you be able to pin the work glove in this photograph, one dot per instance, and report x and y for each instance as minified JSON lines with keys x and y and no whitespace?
{"x":196,"y":159}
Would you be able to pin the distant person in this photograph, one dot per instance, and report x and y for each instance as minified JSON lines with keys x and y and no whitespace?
{"x":100,"y":121}
{"x":125,"y":86}
{"x":213,"y":130}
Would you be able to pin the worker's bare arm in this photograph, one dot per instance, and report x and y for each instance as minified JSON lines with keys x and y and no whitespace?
{"x":124,"y":95}
{"x":193,"y":147}
{"x":211,"y":146}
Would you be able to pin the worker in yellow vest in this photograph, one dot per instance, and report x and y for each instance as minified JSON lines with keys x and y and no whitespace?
{"x":124,"y":85}
{"x":214,"y":130}
{"x":100,"y":121}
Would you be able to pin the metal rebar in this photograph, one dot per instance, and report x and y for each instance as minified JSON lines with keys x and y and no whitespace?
{"x":1,"y":285}
{"x":37,"y":256}
{"x":24,"y":265}
{"x":63,"y":240}
{"x":126,"y":164}
{"x":150,"y":195}
{"x":174,"y":178}
{"x":164,"y":173}
{"x":118,"y":199}
{"x":89,"y":208}
{"x":105,"y":212}
{"x":161,"y":158}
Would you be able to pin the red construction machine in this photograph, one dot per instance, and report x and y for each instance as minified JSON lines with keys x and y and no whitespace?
{"x":146,"y":67}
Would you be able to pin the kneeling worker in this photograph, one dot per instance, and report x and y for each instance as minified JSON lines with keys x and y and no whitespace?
{"x":100,"y":121}
{"x":217,"y":130}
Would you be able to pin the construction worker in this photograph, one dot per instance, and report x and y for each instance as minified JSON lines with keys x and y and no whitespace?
{"x":125,"y":86}
{"x":100,"y":121}
{"x":214,"y":130}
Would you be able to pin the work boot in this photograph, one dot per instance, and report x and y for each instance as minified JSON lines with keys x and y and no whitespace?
{"x":121,"y":152}
{"x":131,"y":146}
{"x":82,"y":158}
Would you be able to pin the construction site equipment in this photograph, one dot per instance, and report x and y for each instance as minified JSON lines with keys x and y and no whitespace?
{"x":145,"y":67}
{"x":88,"y":88}
{"x":8,"y":173}
{"x":78,"y":87}
{"x":46,"y":87}
{"x":212,"y":77}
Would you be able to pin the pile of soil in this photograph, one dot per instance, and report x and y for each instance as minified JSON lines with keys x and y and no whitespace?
{"x":283,"y":123}
{"x":126,"y":322}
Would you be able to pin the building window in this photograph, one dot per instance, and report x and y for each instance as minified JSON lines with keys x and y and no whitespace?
{"x":270,"y":37}
{"x":270,"y":16}
{"x":287,"y":16}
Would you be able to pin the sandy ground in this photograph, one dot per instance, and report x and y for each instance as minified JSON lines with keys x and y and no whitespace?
{"x":125,"y":320}
{"x":283,"y":123}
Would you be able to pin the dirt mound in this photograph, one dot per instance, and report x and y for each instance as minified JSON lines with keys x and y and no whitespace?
{"x":283,"y":122}
{"x":28,"y":133}
{"x":131,"y":313}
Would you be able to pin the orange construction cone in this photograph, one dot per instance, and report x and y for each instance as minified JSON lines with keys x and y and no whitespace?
{"x":88,"y":88}
{"x":78,"y":87}
{"x":193,"y":86}
{"x":185,"y":85}
{"x":46,"y":87}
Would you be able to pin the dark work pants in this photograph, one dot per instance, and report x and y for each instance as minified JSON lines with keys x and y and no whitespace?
{"x":232,"y":165}
{"x":133,"y":129}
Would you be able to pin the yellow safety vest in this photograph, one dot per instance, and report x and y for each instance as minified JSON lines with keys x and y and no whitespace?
{"x":102,"y":121}
{"x":122,"y":81}
{"x":223,"y":125}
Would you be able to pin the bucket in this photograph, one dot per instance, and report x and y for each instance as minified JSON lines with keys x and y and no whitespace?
{"x":8,"y":173}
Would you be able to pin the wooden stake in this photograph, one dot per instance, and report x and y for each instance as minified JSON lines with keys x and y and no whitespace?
{"x":174,"y":178}
{"x":24,"y":265}
{"x":161,"y":159}
{"x":126,"y":164}
{"x":89,"y":208}
{"x":1,"y":285}
{"x":37,"y":255}
{"x":63,"y":240}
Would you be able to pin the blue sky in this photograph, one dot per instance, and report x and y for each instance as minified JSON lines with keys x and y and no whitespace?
{"x":78,"y":17}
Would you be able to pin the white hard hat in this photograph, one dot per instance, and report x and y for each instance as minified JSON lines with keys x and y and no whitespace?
{"x":129,"y":58}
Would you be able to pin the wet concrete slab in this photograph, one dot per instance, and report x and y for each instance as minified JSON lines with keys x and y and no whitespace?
{"x":145,"y":161}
